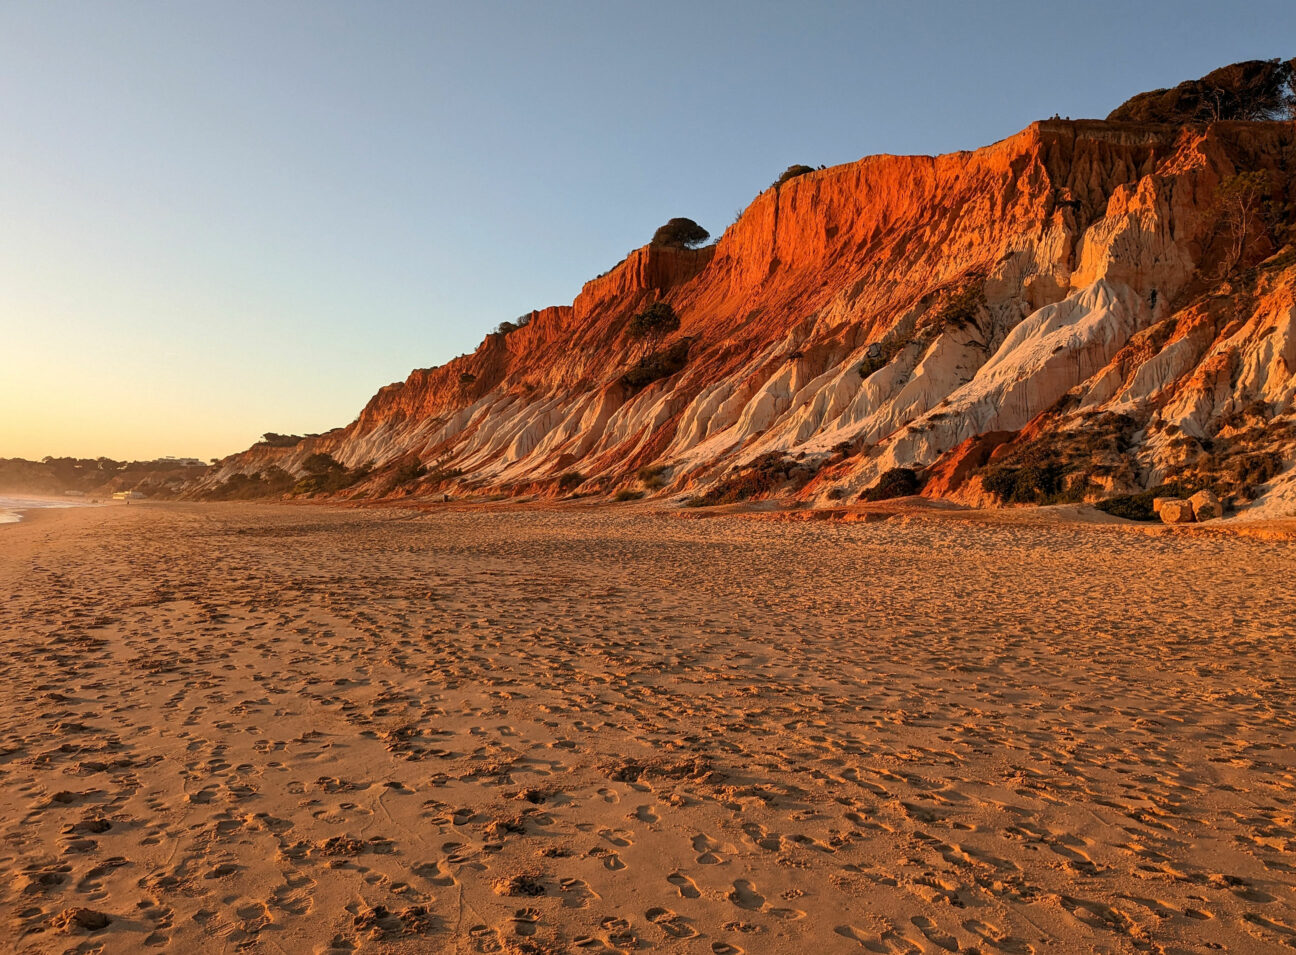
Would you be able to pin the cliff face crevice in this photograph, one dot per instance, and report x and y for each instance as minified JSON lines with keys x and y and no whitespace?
{"x":891,"y":313}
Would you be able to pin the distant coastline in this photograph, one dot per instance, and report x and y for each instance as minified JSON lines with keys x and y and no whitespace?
{"x":11,"y":508}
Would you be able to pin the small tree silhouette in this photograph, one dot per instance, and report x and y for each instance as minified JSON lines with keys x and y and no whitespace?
{"x":653,"y":324}
{"x":1239,"y":204}
{"x":681,"y":233}
{"x":1215,"y":105}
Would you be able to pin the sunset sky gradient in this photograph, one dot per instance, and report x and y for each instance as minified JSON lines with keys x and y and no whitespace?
{"x":218,"y":219}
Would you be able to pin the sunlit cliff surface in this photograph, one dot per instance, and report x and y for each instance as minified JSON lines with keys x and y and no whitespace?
{"x":1083,"y":309}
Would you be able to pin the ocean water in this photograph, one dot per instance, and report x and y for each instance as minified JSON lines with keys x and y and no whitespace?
{"x":11,"y":508}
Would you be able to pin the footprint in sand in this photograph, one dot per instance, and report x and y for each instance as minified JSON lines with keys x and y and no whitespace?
{"x":687,"y":887}
{"x":998,"y":938}
{"x":1274,"y":925}
{"x":576,"y":893}
{"x":933,"y":933}
{"x":786,"y":914}
{"x":620,"y":934}
{"x":611,"y":861}
{"x":744,"y":895}
{"x":162,"y":919}
{"x":458,"y":852}
{"x":524,"y":921}
{"x":485,"y":939}
{"x":435,"y":872}
{"x":889,"y":941}
{"x":675,"y":926}
{"x":854,"y":934}
{"x":618,"y":837}
{"x":762,"y":837}
{"x":294,"y":896}
{"x":706,"y":848}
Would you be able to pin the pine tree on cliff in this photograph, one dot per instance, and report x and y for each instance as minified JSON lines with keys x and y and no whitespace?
{"x":681,"y":233}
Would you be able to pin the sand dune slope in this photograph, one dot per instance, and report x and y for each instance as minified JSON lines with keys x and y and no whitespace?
{"x":237,"y":728}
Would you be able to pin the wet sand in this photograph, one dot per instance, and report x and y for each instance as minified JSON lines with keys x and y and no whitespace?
{"x":294,"y":729}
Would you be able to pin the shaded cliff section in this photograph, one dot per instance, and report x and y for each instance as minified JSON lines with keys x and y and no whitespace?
{"x":1083,"y":309}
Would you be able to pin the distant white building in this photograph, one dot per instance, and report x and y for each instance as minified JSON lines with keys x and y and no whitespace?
{"x":128,"y":496}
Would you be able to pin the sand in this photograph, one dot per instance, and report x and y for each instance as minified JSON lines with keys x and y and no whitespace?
{"x":295,"y":729}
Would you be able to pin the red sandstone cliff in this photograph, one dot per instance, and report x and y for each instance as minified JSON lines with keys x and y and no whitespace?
{"x":1073,"y":296}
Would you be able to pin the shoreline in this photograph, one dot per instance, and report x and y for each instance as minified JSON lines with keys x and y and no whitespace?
{"x":20,"y":508}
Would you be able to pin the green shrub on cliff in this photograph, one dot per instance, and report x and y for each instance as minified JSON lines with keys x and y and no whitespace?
{"x":570,"y":481}
{"x":320,"y":463}
{"x":325,"y":475}
{"x":652,"y":476}
{"x":654,"y":323}
{"x":761,"y":477}
{"x":1029,"y":484}
{"x":658,"y":365}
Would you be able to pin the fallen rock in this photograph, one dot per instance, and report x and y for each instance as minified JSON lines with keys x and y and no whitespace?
{"x":1206,"y":506}
{"x":1176,"y":511}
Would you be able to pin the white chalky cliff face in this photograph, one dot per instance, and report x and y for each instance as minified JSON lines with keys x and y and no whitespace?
{"x":897,"y":312}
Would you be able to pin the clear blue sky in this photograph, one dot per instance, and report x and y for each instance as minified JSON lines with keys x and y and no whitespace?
{"x":223,"y":218}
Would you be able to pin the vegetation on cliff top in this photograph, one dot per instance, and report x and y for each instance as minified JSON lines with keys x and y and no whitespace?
{"x":1250,"y":90}
{"x":272,"y":439}
{"x":680,"y":233}
{"x":792,"y":172}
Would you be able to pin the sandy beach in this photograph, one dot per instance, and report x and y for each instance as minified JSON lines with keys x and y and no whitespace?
{"x":302,"y":729}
